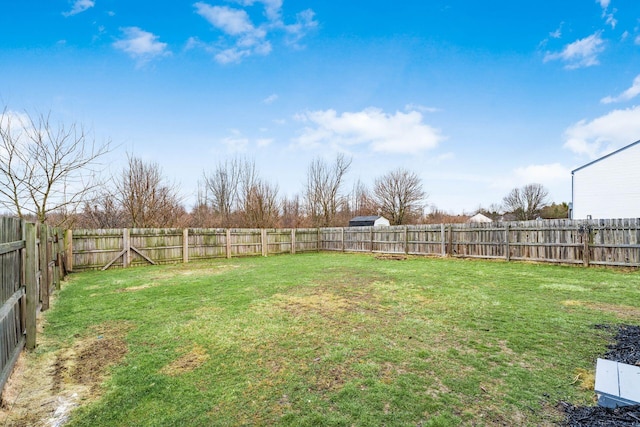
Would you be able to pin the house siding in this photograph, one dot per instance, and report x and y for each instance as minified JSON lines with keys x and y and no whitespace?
{"x":608,"y":187}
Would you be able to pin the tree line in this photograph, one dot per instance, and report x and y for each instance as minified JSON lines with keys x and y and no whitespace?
{"x":49,"y":172}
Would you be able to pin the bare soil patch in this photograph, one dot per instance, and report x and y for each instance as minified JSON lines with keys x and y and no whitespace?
{"x":44,"y":388}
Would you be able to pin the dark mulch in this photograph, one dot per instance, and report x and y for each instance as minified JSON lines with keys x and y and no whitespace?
{"x":625,"y":349}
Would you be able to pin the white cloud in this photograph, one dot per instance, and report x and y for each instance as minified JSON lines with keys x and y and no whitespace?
{"x":231,"y":21}
{"x":628,"y":94}
{"x":403,"y":133}
{"x":304,"y":23}
{"x":272,"y":8}
{"x":557,"y":33}
{"x":581,"y":53}
{"x":610,"y":19}
{"x":421,"y":108}
{"x":231,"y":55}
{"x":80,"y":6}
{"x":604,"y":134}
{"x":637,"y":40}
{"x":140,"y":44}
{"x":236,"y":24}
{"x":270,"y":99}
{"x":236,"y":142}
{"x":242,"y":37}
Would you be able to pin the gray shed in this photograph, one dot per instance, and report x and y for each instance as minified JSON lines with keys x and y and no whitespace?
{"x":368,"y":221}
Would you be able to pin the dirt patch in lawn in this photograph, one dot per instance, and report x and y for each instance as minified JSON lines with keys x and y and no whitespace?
{"x":188,"y":362}
{"x":623,"y":311}
{"x":323,"y":303}
{"x":44,"y":388}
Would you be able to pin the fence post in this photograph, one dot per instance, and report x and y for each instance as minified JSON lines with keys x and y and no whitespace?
{"x":228,"y":243}
{"x":185,"y":245}
{"x":342,"y":239}
{"x":318,"y":242}
{"x":443,"y":241}
{"x":264,"y":242}
{"x":53,"y":257}
{"x":450,"y":248}
{"x":68,"y":249}
{"x":48,"y":255}
{"x":61,"y":267}
{"x":406,"y":239}
{"x":293,"y":241}
{"x":42,"y":266}
{"x":586,"y":237}
{"x":507,"y":248}
{"x":126,"y":247}
{"x":31,"y":265}
{"x":371,"y":237}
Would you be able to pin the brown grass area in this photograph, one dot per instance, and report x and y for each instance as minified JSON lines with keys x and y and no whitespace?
{"x":622,"y":311}
{"x":137,"y":288}
{"x":188,"y":362}
{"x":319,"y":302}
{"x":44,"y":388}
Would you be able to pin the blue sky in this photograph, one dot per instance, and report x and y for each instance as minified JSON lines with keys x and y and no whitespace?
{"x":476,"y":97}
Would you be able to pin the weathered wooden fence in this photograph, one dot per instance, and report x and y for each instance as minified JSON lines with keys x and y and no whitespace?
{"x":31,"y":266}
{"x":591,"y":242}
{"x":101,"y":249}
{"x":611,"y":242}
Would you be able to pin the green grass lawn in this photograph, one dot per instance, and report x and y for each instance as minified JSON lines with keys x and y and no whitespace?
{"x":334,"y":340}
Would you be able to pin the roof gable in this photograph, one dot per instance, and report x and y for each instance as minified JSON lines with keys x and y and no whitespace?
{"x":606,"y":156}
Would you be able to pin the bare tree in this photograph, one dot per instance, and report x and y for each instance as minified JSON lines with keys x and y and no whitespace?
{"x":145,"y":197}
{"x":292,"y":213}
{"x":361,"y":200}
{"x":261,"y":207}
{"x":526,"y":202}
{"x":399,"y":194}
{"x":227,"y":188}
{"x":322,"y":192}
{"x":221,"y":187}
{"x":45,"y":167}
{"x":103,"y":212}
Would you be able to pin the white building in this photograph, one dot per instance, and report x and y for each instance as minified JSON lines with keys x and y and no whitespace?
{"x":608,"y":187}
{"x":480,"y":218}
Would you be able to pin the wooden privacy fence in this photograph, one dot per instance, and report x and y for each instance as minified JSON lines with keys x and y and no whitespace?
{"x":609,"y":242}
{"x":101,"y":249}
{"x":31,"y":266}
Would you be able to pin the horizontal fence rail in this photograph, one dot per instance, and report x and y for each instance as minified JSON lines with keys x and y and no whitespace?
{"x":608,"y":242}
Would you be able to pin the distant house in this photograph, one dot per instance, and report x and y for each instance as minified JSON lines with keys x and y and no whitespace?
{"x":608,"y":187}
{"x":368,"y":221}
{"x":479,"y":218}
